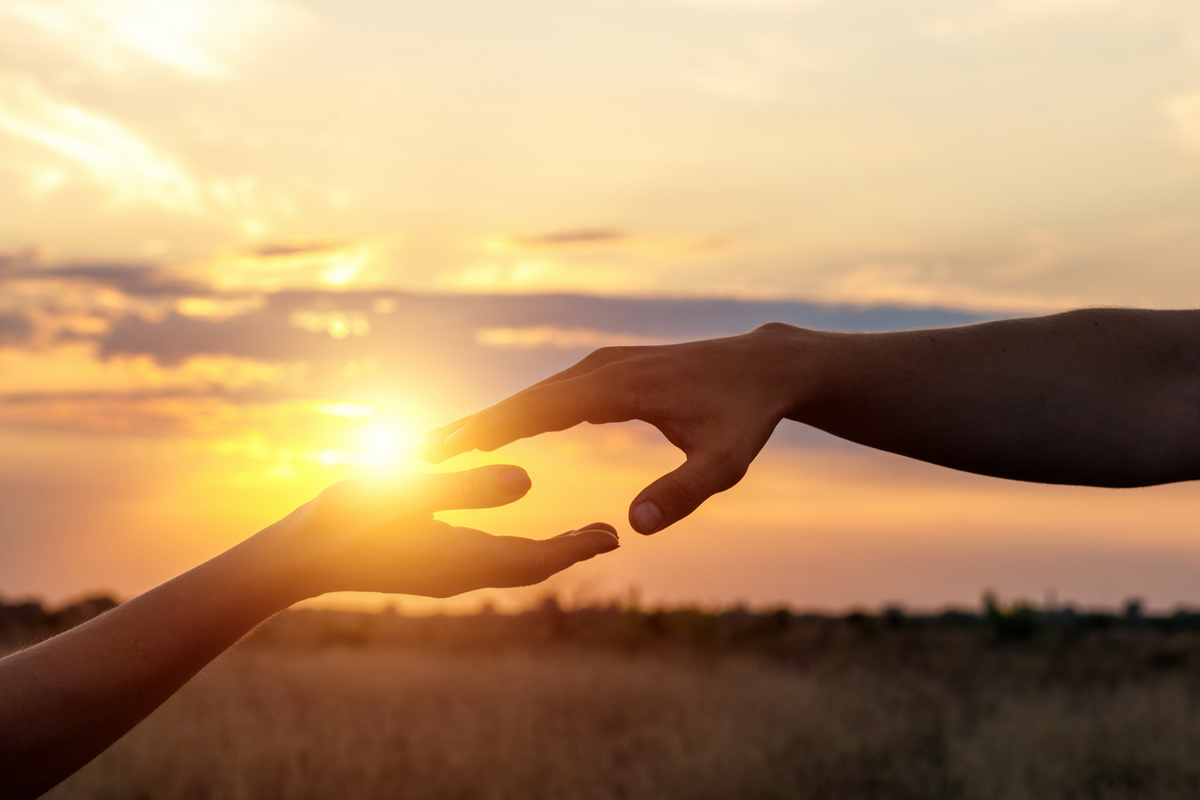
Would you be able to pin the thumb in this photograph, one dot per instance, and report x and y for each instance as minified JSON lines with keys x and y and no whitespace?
{"x":681,"y":491}
{"x":523,"y":562}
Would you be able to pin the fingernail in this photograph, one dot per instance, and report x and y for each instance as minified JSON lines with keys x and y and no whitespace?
{"x":647,"y":517}
{"x":513,"y":482}
{"x":605,"y":543}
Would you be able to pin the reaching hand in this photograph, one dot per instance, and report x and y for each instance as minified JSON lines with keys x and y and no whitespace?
{"x":716,"y":400}
{"x":378,"y":535}
{"x":73,"y":695}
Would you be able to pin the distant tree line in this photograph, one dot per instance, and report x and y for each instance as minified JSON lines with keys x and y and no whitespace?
{"x":28,"y":621}
{"x":781,"y":631}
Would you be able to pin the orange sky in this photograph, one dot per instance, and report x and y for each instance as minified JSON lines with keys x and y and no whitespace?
{"x":248,"y":247}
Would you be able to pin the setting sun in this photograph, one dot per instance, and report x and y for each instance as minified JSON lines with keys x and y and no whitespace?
{"x":388,"y":440}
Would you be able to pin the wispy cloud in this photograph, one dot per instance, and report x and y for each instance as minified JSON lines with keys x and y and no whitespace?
{"x":568,"y":238}
{"x":199,"y":38}
{"x":100,"y":147}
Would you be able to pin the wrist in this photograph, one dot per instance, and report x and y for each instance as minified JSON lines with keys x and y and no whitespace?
{"x":276,"y":567}
{"x":798,"y":361}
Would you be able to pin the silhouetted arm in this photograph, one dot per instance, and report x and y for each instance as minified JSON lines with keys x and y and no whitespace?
{"x":1104,"y":397}
{"x":65,"y":700}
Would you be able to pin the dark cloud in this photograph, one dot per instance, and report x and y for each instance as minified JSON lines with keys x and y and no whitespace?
{"x":429,"y":342}
{"x":17,"y":261}
{"x":139,"y":280}
{"x":240,"y":395}
{"x":297,"y":248}
{"x":14,"y":328}
{"x":573,"y":237}
{"x":448,"y":322}
{"x":424,"y":346}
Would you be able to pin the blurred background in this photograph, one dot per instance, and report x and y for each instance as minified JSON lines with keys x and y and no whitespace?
{"x":249,"y":247}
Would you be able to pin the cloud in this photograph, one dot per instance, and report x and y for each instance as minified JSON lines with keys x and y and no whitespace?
{"x":198,"y":38}
{"x":101,"y":148}
{"x":15,"y":261}
{"x":14,"y":328}
{"x":299,"y":247}
{"x":452,"y":351}
{"x":300,"y":264}
{"x":138,"y":280}
{"x":530,"y":337}
{"x":581,"y":236}
{"x":459,"y":327}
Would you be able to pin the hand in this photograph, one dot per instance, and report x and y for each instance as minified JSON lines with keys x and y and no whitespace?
{"x":378,"y":535}
{"x":716,"y":400}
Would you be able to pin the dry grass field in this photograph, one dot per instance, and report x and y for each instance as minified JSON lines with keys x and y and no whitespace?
{"x":844,"y":711}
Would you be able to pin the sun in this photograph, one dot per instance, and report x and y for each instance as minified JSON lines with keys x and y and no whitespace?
{"x":388,"y":440}
{"x":374,"y":438}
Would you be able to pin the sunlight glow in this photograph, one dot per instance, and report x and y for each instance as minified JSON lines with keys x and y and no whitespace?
{"x":344,"y":269}
{"x":388,"y":440}
{"x":527,"y":338}
{"x":349,"y":410}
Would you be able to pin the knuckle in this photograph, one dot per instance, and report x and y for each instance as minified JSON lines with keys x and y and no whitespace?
{"x":728,"y":467}
{"x":729,"y":475}
{"x":602,"y":356}
{"x":772,"y":327}
{"x":470,"y":489}
{"x":685,"y":490}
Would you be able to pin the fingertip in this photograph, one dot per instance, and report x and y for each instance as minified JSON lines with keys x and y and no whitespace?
{"x":598,"y":540}
{"x":513,"y":482}
{"x":646,"y":517}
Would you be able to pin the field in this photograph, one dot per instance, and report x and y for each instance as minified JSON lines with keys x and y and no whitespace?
{"x":612,"y":704}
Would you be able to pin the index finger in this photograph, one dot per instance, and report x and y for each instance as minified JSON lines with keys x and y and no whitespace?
{"x":597,"y":359}
{"x":593,"y":397}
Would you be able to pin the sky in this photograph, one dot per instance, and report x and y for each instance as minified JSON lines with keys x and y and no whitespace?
{"x":248,"y":248}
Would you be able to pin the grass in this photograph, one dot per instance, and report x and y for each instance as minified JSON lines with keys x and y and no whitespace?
{"x":875,"y":712}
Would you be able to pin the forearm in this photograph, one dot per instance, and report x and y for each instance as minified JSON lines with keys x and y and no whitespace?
{"x":1107,"y":397}
{"x":65,"y":700}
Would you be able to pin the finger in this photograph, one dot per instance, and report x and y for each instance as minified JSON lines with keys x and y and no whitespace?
{"x":445,"y":430}
{"x":680,"y":492}
{"x":594,"y":397}
{"x":594,"y":360}
{"x":591,"y":526}
{"x":371,"y":501}
{"x":522,"y":562}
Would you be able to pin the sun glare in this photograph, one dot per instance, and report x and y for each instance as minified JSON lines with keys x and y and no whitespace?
{"x":372,"y":439}
{"x":349,"y":410}
{"x":387,"y":441}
